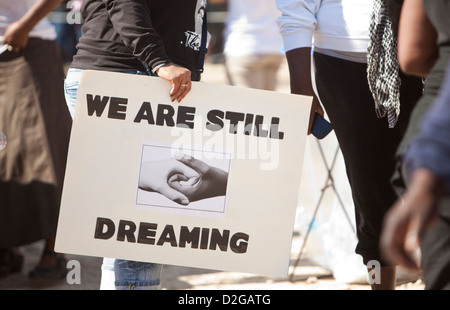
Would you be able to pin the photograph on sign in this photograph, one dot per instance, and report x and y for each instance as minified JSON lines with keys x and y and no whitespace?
{"x":182,"y":181}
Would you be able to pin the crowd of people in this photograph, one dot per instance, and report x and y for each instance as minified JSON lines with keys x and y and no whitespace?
{"x":378,"y":69}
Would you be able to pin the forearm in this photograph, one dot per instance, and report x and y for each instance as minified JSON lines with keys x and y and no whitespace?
{"x":426,"y":180}
{"x":431,"y":146}
{"x":299,"y":63}
{"x":297,"y":24}
{"x":417,"y":49}
{"x":38,"y":11}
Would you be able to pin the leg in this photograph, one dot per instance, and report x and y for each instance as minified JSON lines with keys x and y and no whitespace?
{"x":107,"y":277}
{"x":11,"y":261}
{"x":51,"y":268}
{"x":245,"y":71}
{"x":49,"y":258}
{"x":388,"y":279}
{"x":270,"y":69}
{"x":131,"y":275}
{"x":368,"y":147}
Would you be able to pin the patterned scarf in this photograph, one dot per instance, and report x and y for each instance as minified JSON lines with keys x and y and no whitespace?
{"x":382,"y":64}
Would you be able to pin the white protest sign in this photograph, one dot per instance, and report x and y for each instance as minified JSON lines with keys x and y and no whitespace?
{"x":211,"y":182}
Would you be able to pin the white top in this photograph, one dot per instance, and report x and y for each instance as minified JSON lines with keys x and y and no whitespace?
{"x":251,"y":28}
{"x":341,"y":25}
{"x":11,"y":11}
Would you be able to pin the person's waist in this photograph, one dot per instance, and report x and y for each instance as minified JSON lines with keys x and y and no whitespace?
{"x":113,"y":62}
{"x":360,"y":57}
{"x":351,"y":44}
{"x":74,"y":71}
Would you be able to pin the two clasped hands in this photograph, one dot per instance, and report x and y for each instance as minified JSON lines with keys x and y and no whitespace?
{"x":183,"y":179}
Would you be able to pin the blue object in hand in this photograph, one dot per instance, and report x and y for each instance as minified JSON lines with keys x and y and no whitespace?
{"x":321,"y":127}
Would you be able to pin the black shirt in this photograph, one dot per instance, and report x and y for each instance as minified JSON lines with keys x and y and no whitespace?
{"x":121,"y":35}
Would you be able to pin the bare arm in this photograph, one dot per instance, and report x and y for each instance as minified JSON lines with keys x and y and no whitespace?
{"x":410,"y":217}
{"x":417,"y":48}
{"x":17,"y":32}
{"x":299,"y":63}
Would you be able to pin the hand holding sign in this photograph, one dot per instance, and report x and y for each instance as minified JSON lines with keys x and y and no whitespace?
{"x":179,"y":77}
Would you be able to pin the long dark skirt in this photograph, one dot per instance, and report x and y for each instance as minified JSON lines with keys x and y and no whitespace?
{"x":35,"y":119}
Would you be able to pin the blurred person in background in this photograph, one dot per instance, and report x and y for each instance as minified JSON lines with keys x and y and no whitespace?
{"x":37,"y":123}
{"x":424,"y":51}
{"x":419,"y":216}
{"x":67,"y":21}
{"x":253,"y":44}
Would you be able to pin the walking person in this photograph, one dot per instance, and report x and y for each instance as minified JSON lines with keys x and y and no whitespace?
{"x":424,"y":51}
{"x":338,"y":34}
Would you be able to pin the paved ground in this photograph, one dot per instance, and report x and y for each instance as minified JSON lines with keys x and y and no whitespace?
{"x":308,"y":276}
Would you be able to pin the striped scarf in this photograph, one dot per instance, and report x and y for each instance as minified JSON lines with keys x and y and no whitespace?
{"x":382,"y":64}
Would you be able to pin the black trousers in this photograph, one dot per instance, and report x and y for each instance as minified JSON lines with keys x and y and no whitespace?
{"x":367,"y":143}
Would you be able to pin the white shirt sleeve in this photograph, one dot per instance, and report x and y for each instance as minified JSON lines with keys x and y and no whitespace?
{"x":297,"y":22}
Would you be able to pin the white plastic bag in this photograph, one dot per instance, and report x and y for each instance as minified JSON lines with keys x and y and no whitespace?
{"x":332,"y":240}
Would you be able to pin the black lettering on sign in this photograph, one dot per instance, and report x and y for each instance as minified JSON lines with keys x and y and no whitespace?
{"x":239,"y":247}
{"x":197,"y":237}
{"x":168,"y":235}
{"x":126,"y":229}
{"x":145,"y":113}
{"x":252,"y":124}
{"x":147,"y":233}
{"x":234,"y":119}
{"x":189,"y":236}
{"x":100,"y":232}
{"x":185,"y":117}
{"x":165,"y":114}
{"x":215,"y":122}
{"x":97,"y":105}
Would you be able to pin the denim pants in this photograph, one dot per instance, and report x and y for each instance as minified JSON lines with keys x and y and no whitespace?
{"x":117,"y":274}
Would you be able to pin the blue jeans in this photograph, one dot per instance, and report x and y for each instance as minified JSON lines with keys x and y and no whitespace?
{"x":128,"y":275}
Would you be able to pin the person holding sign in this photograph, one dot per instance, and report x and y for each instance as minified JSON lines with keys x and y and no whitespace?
{"x":164,"y":38}
{"x":340,"y":31}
